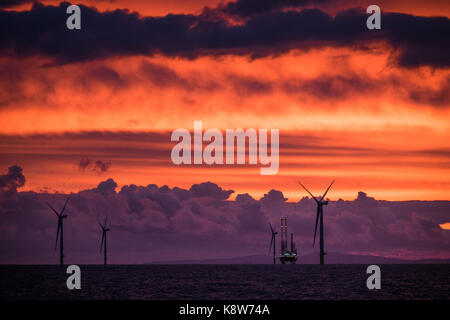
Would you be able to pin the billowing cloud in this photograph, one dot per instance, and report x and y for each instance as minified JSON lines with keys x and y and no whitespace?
{"x":10,"y":182}
{"x":211,"y":190}
{"x":156,"y":223}
{"x":108,"y":186}
{"x":119,"y":32}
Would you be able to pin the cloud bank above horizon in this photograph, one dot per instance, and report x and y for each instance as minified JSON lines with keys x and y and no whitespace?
{"x":150,"y":223}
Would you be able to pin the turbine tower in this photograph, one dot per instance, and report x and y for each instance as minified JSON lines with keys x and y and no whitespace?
{"x":59,"y":233}
{"x":103,"y":244}
{"x":319,"y":217}
{"x":272,"y":243}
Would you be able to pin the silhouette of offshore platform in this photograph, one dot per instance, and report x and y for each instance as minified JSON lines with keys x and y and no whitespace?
{"x":285,"y":254}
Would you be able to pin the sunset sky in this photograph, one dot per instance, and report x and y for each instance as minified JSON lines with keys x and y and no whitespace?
{"x":369,"y":108}
{"x":90,"y":112}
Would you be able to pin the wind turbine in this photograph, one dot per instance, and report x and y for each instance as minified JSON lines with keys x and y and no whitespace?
{"x":272,"y":242}
{"x":105,"y":229}
{"x":319,"y":216}
{"x":61,"y":216}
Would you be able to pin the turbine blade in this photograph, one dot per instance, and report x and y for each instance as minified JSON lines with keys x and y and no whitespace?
{"x":57,"y":233}
{"x":315,"y":229}
{"x":103,"y":237}
{"x":327,"y":191}
{"x":65,"y":204}
{"x":56,"y":212}
{"x":271,"y":229}
{"x":271,"y":243}
{"x":308,"y":192}
{"x":106,"y":220}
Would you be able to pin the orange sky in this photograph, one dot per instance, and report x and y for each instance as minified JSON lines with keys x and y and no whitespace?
{"x":372,"y":137}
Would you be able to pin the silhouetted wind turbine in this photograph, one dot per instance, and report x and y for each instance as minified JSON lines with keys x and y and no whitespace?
{"x":61,"y":216}
{"x":103,"y":244}
{"x":272,"y":243}
{"x":319,"y":216}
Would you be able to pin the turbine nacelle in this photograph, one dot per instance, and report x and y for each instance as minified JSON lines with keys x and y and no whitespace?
{"x":103,"y":225}
{"x":60,"y":217}
{"x":319,"y":201}
{"x":272,"y":230}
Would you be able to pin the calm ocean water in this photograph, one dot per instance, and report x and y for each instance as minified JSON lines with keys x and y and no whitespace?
{"x":225,"y":282}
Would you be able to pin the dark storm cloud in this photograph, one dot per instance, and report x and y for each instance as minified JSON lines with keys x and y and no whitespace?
{"x":419,"y":40}
{"x":246,"y":8}
{"x":414,"y":41}
{"x":14,"y":3}
{"x":10,"y":182}
{"x":156,"y":223}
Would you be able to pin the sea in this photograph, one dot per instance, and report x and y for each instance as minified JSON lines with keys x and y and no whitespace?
{"x":225,"y":282}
